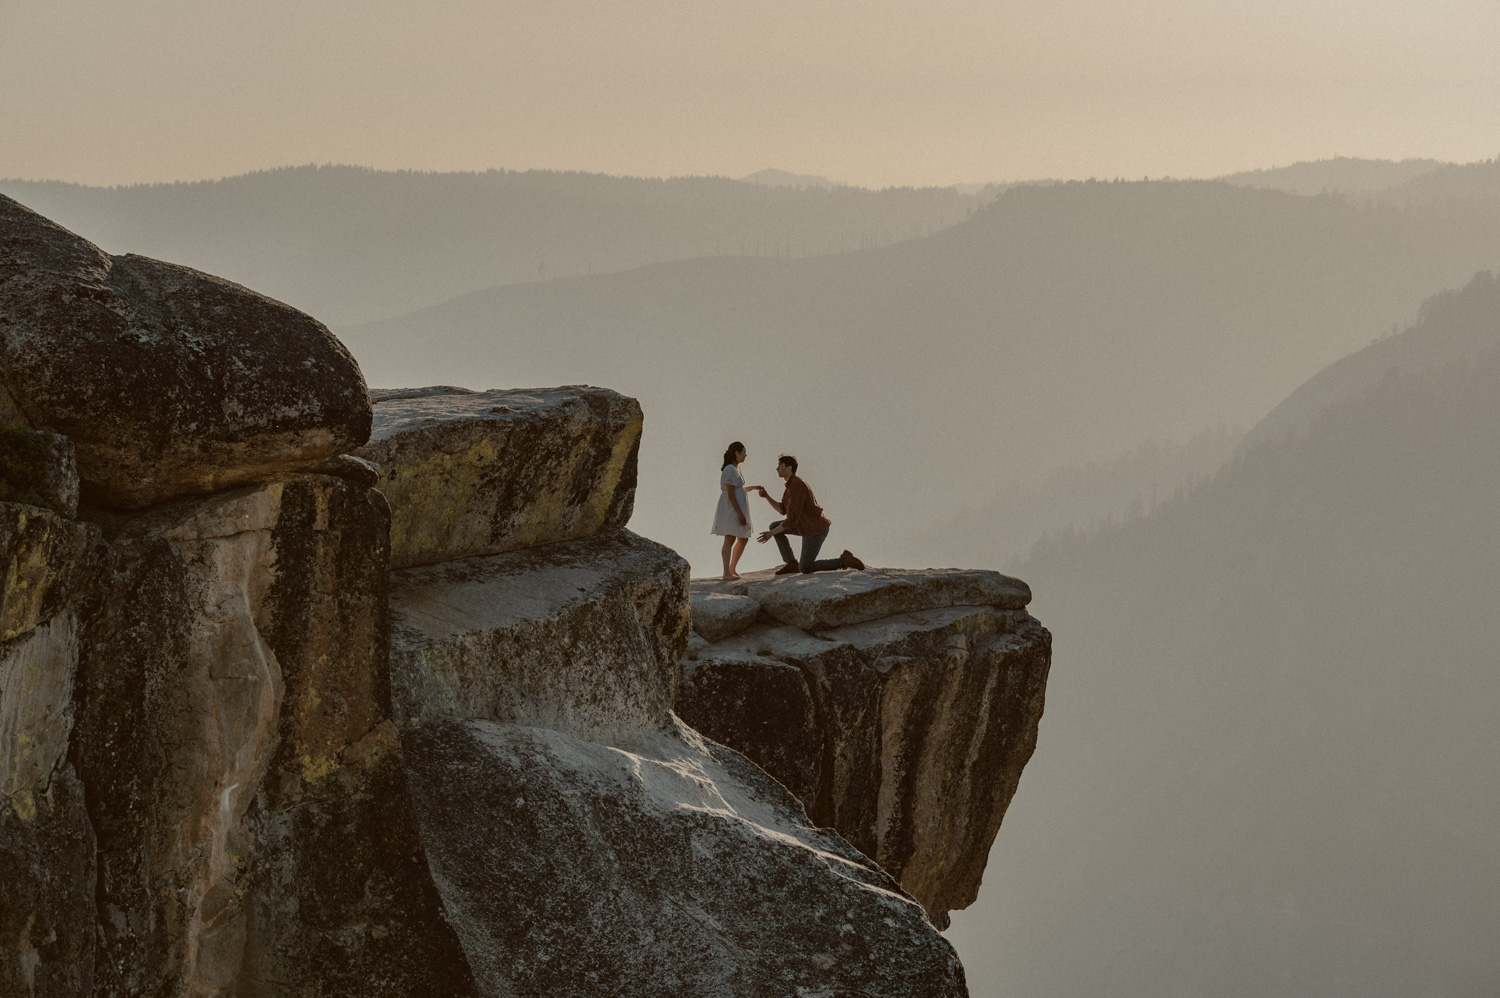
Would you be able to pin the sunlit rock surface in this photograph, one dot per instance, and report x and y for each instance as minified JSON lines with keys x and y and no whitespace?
{"x":906,"y":731}
{"x":820,"y":601}
{"x":717,"y":616}
{"x":168,"y":381}
{"x":243,"y":776}
{"x":672,"y":868}
{"x":582,"y":636}
{"x":474,"y":473}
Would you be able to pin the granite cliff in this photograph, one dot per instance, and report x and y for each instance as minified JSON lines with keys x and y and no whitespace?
{"x":312,"y":691}
{"x":899,"y":706}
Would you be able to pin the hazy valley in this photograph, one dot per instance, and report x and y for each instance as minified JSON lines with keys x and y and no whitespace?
{"x":1265,"y":767}
{"x":1237,"y":435}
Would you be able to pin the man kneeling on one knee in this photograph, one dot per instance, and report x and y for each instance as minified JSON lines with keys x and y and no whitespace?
{"x":805,"y":519}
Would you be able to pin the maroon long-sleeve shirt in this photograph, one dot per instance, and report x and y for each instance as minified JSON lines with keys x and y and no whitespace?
{"x":803,"y":514}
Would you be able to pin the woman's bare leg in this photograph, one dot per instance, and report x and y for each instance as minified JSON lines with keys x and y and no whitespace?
{"x":739,"y":549}
{"x":729,"y":540}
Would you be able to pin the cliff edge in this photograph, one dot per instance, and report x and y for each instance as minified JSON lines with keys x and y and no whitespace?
{"x":308,"y":691}
{"x":899,"y":706}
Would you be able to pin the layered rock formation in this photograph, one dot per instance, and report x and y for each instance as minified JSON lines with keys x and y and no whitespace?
{"x":583,"y":636}
{"x":582,"y":839}
{"x":243,"y":756}
{"x":899,"y":706}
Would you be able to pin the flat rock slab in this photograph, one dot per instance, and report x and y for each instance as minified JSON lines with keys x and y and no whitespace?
{"x":677,"y":868}
{"x":168,"y":381}
{"x":580,"y":635}
{"x":478,"y":473}
{"x":717,"y":616}
{"x":823,"y":600}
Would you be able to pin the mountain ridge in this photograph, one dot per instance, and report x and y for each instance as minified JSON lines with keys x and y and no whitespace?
{"x":1172,"y":306}
{"x":356,"y":244}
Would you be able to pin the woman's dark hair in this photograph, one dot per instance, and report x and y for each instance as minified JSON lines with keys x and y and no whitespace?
{"x":729,"y":454}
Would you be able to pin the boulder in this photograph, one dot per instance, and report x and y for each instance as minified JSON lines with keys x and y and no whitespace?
{"x":168,"y":381}
{"x":717,"y":616}
{"x":479,"y":473}
{"x":923,"y":719}
{"x":243,"y":777}
{"x":822,"y":600}
{"x":583,"y":636}
{"x":568,"y":867}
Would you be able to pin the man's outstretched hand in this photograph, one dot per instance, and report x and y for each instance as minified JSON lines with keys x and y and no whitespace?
{"x":763,"y":536}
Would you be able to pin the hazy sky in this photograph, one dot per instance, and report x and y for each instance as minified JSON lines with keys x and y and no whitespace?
{"x":875,"y":92}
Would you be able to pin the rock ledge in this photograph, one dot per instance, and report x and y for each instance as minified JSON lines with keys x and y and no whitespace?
{"x":899,"y":706}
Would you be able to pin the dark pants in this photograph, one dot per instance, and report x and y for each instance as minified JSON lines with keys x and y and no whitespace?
{"x":810,"y":547}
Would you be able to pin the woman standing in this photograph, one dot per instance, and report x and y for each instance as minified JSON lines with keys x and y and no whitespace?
{"x":732,"y":519}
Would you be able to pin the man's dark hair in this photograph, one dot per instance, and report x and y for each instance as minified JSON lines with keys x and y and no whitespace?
{"x":789,"y":461}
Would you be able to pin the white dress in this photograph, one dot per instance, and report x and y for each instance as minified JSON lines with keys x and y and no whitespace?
{"x":726,"y":524}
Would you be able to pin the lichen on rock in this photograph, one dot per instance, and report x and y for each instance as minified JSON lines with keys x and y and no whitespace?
{"x":42,"y":560}
{"x":477,"y":473}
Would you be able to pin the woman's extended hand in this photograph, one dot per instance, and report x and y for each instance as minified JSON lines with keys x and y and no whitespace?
{"x":756,"y":488}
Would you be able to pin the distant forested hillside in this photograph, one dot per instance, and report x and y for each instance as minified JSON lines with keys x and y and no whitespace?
{"x":1415,"y":182}
{"x":1062,"y":325}
{"x":1342,"y":174}
{"x":351,"y":245}
{"x":1452,"y":326}
{"x":1454,"y":185}
{"x":1000,"y":531}
{"x":1267,"y":765}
